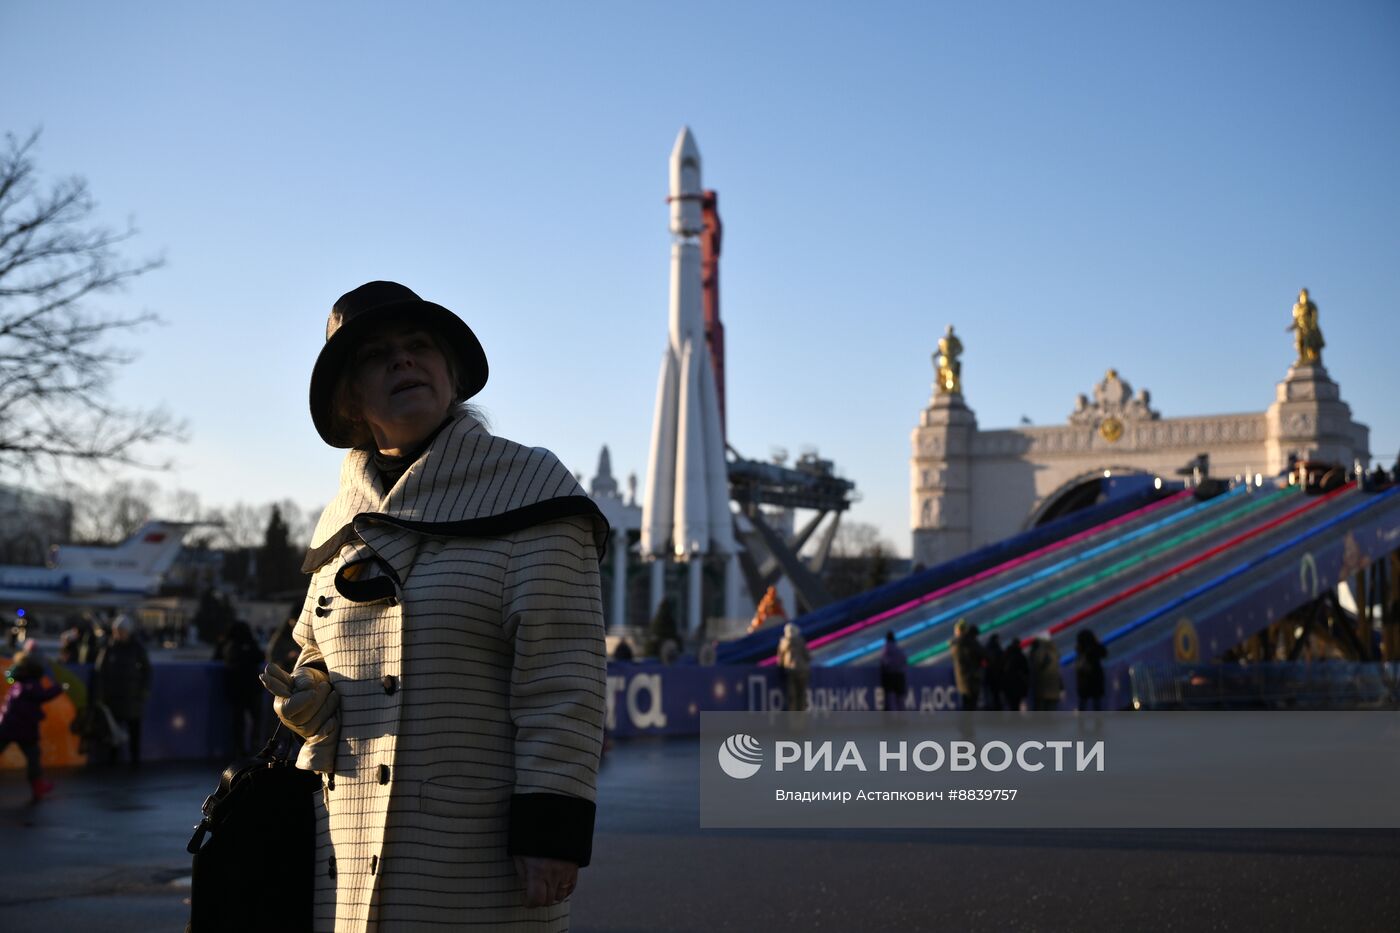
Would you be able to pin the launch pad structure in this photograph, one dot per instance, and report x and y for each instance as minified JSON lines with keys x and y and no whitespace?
{"x":810,"y":485}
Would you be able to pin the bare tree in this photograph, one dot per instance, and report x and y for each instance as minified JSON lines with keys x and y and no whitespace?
{"x":55,"y":360}
{"x":110,"y":515}
{"x":860,"y":560}
{"x":240,"y":525}
{"x":856,"y":539}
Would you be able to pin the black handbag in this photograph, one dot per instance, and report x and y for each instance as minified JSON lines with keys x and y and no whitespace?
{"x":255,"y":849}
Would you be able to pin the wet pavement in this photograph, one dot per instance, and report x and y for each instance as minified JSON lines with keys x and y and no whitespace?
{"x":106,"y":854}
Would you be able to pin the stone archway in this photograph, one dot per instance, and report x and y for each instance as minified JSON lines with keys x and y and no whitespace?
{"x":1080,"y":492}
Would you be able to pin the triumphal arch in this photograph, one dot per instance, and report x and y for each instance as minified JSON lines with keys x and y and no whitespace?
{"x":970,"y":487}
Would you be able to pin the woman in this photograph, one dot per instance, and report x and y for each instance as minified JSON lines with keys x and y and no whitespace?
{"x":967,"y":663}
{"x":796,"y":662}
{"x":451,"y":677}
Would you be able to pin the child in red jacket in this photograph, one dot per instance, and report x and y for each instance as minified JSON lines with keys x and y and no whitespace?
{"x":20,"y":713}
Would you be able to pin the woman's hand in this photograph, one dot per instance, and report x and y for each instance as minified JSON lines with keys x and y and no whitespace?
{"x":307,"y":703}
{"x":547,"y":881}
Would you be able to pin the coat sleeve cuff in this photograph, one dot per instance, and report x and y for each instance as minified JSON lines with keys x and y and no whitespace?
{"x":552,"y":826}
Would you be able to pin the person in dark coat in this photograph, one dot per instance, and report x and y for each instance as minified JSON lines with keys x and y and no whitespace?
{"x":967,"y":663}
{"x":282,"y":648}
{"x":122,"y":677}
{"x":1088,"y":669}
{"x":1047,"y":686}
{"x":991,"y":674}
{"x":79,"y":644}
{"x":242,"y":659}
{"x":1015,"y":675}
{"x":894,"y":674}
{"x":21,"y":712}
{"x":623,"y":651}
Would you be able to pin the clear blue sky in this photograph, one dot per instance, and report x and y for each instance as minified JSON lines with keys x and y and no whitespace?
{"x":1075,"y":186}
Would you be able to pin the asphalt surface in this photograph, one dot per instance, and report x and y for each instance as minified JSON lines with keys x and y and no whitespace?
{"x":106,"y":855}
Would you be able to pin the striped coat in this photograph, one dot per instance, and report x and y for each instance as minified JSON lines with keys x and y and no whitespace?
{"x":459,"y":617}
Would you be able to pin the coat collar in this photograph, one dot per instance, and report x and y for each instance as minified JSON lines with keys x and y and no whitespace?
{"x":466,"y":483}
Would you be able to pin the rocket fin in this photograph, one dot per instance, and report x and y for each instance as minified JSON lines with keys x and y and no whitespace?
{"x":661,"y":464}
{"x":690,"y":528}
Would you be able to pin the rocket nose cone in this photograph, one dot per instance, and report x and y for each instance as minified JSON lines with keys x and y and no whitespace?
{"x":685,"y":154}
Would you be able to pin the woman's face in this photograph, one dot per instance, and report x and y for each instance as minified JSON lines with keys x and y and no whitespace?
{"x":402,"y":384}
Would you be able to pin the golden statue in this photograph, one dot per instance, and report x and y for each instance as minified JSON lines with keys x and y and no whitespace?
{"x":947,"y":363}
{"x":1308,"y":336}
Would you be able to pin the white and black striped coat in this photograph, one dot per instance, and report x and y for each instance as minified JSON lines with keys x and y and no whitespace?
{"x":459,"y":616}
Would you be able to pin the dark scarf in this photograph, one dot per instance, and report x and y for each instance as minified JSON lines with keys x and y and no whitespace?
{"x":391,"y":467}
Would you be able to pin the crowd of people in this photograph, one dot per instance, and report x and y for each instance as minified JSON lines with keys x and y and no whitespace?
{"x":988,"y":675}
{"x":992,"y":677}
{"x":109,"y":716}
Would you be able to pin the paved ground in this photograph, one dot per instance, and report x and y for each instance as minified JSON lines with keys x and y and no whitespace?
{"x":106,"y":855}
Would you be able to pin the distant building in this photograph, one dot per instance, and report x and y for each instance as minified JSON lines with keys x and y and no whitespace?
{"x":31,"y":524}
{"x":622,"y":570}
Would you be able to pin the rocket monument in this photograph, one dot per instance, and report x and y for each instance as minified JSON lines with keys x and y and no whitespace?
{"x":685,"y":515}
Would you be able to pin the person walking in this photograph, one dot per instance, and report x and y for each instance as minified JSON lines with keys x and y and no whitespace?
{"x":1089,"y":653}
{"x":21,"y":712}
{"x":243,"y":660}
{"x":1047,"y":686}
{"x":451,"y":684}
{"x":796,"y":662}
{"x":122,"y":677}
{"x":894,"y":674}
{"x":1015,"y":675}
{"x":967,"y":663}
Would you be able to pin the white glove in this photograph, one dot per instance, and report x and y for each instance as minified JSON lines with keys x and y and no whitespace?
{"x":307,"y":703}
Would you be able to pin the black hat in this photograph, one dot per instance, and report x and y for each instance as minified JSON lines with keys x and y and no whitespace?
{"x":359,"y":311}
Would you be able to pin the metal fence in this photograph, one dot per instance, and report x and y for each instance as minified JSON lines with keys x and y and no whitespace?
{"x":1268,"y":685}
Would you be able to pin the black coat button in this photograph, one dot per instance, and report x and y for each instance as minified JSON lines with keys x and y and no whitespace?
{"x":393,"y":602}
{"x":323,"y":600}
{"x":373,"y":864}
{"x":322,"y":611}
{"x":390,"y":682}
{"x":383,"y":774}
{"x":330,"y":869}
{"x":330,"y":782}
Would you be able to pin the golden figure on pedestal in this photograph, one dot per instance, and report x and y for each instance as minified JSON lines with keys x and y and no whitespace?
{"x":1307,"y":335}
{"x":946,"y":362}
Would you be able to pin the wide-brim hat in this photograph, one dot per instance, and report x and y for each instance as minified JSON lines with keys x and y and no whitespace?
{"x":358,"y":312}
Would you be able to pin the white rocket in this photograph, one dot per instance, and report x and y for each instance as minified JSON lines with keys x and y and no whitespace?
{"x":687,"y":500}
{"x":685,"y":514}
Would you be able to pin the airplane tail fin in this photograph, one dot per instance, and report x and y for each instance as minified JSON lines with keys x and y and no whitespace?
{"x":154,"y":546}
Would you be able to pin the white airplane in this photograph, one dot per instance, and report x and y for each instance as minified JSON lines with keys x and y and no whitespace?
{"x":121,"y":575}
